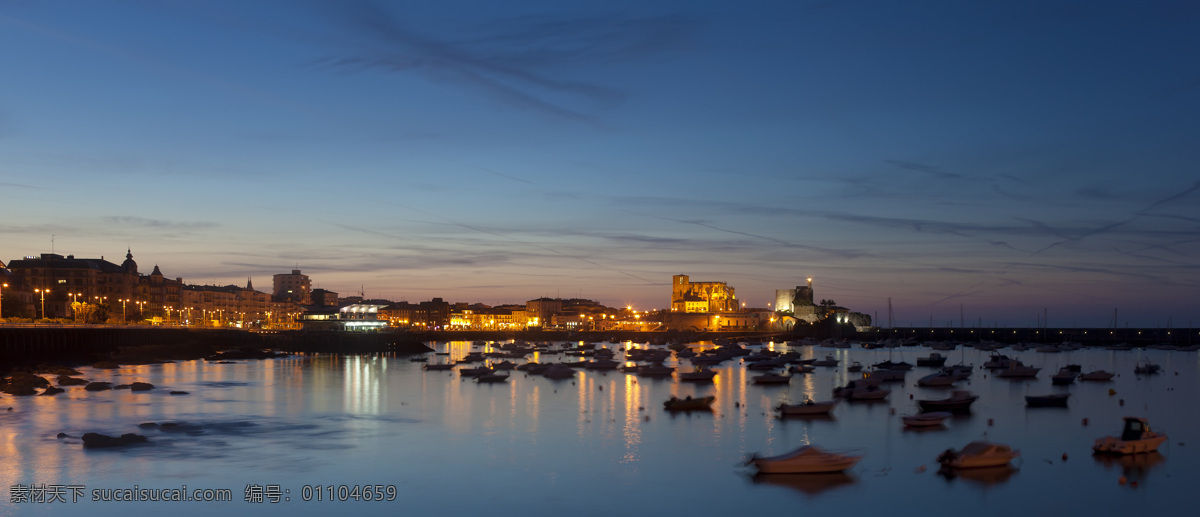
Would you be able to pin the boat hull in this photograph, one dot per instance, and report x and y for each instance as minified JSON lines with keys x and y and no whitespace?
{"x":1112,"y":445}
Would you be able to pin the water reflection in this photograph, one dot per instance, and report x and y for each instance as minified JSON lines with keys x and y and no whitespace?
{"x":810,"y":485}
{"x":1134,"y":468}
{"x":985,"y":476}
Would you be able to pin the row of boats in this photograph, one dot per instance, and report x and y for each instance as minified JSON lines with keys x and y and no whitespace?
{"x":1136,"y":438}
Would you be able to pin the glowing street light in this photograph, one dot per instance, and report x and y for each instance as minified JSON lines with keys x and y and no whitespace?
{"x":43,"y":292}
{"x":2,"y":286}
{"x":124,"y":319}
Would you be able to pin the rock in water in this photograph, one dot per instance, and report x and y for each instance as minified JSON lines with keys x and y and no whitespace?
{"x":141,"y":386}
{"x":98,"y":386}
{"x":97,"y":440}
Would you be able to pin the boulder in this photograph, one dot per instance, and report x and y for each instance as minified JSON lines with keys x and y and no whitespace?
{"x":98,"y":386}
{"x":121,"y":387}
{"x":141,"y":386}
{"x":52,"y":390}
{"x":180,"y":393}
{"x":97,"y":440}
{"x":22,"y":383}
{"x":64,"y":380}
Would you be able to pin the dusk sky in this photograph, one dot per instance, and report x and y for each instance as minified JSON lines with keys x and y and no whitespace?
{"x":996,"y":158}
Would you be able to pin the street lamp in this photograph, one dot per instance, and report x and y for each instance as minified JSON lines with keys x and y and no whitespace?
{"x":74,"y":301}
{"x":2,"y":286}
{"x":43,"y":292}
{"x":124,"y":318}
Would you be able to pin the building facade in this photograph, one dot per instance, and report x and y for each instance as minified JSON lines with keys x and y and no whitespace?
{"x":688,"y":296}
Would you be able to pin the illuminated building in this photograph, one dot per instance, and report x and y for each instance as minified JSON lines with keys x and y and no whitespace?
{"x":358,"y":317}
{"x":694,"y":297}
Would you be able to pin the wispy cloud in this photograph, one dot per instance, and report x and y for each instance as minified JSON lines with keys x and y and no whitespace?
{"x":511,"y":60}
{"x":157,"y":223}
{"x":923,"y":168}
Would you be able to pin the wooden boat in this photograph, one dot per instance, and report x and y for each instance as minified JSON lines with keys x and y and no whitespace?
{"x":933,"y":419}
{"x":771,"y":378}
{"x":1136,"y":438}
{"x":1098,"y":376}
{"x":689,"y":404}
{"x":807,"y":408}
{"x":449,"y":366}
{"x":699,"y":375}
{"x":978,"y":455}
{"x":959,"y":401}
{"x":806,"y":460}
{"x":1051,"y":400}
{"x":854,"y":367}
{"x":419,"y":359}
{"x":492,"y":378}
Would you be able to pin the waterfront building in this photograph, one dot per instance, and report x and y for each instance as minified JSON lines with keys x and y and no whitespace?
{"x":295,"y":286}
{"x":542,"y":311}
{"x":356,"y":317}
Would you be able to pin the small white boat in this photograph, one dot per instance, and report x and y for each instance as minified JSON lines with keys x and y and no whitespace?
{"x":808,"y":407}
{"x":933,"y":419}
{"x":806,"y":460}
{"x":1136,"y":438}
{"x":978,"y":455}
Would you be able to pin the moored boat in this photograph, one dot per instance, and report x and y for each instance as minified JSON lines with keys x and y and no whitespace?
{"x":808,"y":407}
{"x":934,"y":359}
{"x":806,"y":460}
{"x":699,"y":375}
{"x":771,"y":378}
{"x":958,"y":401}
{"x":978,"y":455}
{"x":1051,"y":400}
{"x":1136,"y":438}
{"x":1147,"y":369}
{"x":1018,"y":370}
{"x":934,"y":380}
{"x":1098,"y":375}
{"x":1066,"y":375}
{"x":689,"y":404}
{"x":933,"y":419}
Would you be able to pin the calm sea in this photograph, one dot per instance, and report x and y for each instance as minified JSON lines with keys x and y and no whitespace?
{"x":600,"y":444}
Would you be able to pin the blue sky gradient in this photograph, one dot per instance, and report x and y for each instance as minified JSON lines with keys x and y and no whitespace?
{"x":998,"y":160}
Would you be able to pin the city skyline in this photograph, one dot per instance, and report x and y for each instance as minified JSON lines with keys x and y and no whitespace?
{"x":981,"y":163}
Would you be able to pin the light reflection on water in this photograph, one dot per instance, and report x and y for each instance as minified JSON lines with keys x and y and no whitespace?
{"x":534,"y":443}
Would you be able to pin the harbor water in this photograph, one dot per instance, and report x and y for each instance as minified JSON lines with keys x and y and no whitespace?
{"x":284,"y":431}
